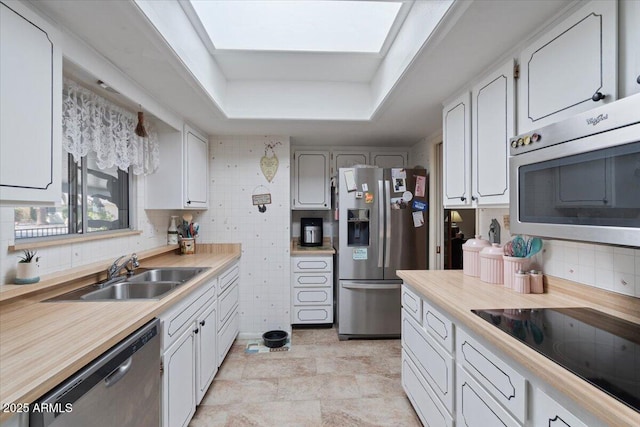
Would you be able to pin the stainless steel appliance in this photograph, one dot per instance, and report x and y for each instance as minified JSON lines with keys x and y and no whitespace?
{"x":383,"y":227}
{"x":579,"y":179}
{"x":599,"y":348}
{"x":119,"y":388}
{"x":310,"y":231}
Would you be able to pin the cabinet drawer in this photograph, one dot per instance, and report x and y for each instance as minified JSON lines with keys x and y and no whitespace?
{"x":433,"y":362}
{"x":548,"y":412}
{"x":227,"y":335}
{"x":227,"y":278}
{"x":505,"y":384}
{"x":412,"y":303}
{"x":429,"y":409}
{"x":313,"y":314}
{"x":475,"y":407}
{"x":227,"y":303}
{"x":313,"y":296}
{"x":312,"y":279}
{"x":438,"y":326}
{"x":313,"y":264}
{"x":179,"y":316}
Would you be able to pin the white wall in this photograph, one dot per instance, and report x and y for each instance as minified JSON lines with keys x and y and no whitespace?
{"x":235,"y":173}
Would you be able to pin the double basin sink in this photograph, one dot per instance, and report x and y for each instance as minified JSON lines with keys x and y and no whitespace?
{"x":154,"y":283}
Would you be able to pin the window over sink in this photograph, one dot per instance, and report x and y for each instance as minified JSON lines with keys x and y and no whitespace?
{"x":93,"y":200}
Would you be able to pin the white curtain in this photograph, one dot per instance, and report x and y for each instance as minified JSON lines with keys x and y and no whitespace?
{"x":91,"y":123}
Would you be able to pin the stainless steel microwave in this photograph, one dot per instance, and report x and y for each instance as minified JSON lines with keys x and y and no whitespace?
{"x":579,"y":179}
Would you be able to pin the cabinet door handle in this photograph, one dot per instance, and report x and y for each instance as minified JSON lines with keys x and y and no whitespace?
{"x":474,"y":198}
{"x":188,"y":202}
{"x":462,"y":199}
{"x":638,"y":79}
{"x":598,"y":96}
{"x":202,"y":323}
{"x":196,"y":330}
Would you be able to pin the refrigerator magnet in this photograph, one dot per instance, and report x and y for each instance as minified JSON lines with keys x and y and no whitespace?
{"x":398,"y":203}
{"x":398,"y":173}
{"x":399,"y":185}
{"x":419,"y":206}
{"x":407,"y":196}
{"x":421,"y":182}
{"x":360,"y":253}
{"x":350,"y":180}
{"x":368,"y":197}
{"x":418,"y":219}
{"x":365,"y":187}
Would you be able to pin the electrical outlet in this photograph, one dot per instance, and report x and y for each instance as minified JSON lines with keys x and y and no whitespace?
{"x":507,"y":221}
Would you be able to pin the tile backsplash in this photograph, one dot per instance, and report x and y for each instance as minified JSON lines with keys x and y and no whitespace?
{"x":235,"y":175}
{"x":608,"y":267}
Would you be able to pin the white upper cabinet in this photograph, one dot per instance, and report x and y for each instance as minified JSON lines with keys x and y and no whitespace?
{"x":456,"y":125}
{"x":347,"y":159}
{"x":182,"y":181}
{"x":629,"y":53}
{"x":30,"y":108}
{"x":196,"y":169}
{"x":389,"y":159}
{"x":492,"y":124}
{"x":571,"y":68}
{"x":311,"y":184}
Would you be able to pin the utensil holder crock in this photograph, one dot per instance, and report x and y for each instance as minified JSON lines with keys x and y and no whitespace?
{"x":511,"y":265}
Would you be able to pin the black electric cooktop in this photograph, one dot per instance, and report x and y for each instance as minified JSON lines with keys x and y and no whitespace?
{"x":602,"y":349}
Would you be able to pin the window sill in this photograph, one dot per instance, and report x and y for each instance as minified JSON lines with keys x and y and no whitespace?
{"x":67,"y":240}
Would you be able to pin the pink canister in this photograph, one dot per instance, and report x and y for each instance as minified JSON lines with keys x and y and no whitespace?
{"x":491,"y":264}
{"x":471,"y":255}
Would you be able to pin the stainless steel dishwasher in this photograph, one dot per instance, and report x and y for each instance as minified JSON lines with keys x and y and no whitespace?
{"x":119,"y":388}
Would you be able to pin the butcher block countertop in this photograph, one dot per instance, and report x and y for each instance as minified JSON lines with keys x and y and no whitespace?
{"x":458,"y":294}
{"x":43,"y":343}
{"x":325,"y":249}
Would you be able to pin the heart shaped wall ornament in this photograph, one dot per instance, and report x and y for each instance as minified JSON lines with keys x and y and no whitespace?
{"x":269,"y":166}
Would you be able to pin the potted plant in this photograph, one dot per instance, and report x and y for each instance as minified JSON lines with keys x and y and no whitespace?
{"x":27,"y":270}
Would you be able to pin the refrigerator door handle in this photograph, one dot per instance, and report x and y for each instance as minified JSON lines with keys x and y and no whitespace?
{"x":373,"y":287}
{"x":387,"y":204}
{"x":381,"y":203}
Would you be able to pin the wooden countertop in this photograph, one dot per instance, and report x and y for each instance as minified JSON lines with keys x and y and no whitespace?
{"x":43,"y":343}
{"x":325,"y":249}
{"x":457,"y":294}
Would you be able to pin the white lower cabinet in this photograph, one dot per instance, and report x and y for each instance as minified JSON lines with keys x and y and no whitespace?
{"x":433,"y":362}
{"x":206,"y":355}
{"x":453,"y":377}
{"x":549,"y":413}
{"x":312,"y":289}
{"x":476,"y":407}
{"x":179,"y":381}
{"x":503,"y":382}
{"x":228,"y":316}
{"x":227,"y":335}
{"x":430,"y":410}
{"x":197,"y":333}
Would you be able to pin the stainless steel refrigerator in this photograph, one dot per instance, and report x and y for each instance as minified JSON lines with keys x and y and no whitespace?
{"x":383,"y":227}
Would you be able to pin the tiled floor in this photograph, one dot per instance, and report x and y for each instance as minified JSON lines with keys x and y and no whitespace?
{"x":321,"y":381}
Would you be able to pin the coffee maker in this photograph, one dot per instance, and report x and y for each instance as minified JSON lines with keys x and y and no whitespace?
{"x":310,"y":231}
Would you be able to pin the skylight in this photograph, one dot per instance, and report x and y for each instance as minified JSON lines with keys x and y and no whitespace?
{"x":307,"y":26}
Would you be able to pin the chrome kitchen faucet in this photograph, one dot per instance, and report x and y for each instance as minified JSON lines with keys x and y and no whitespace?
{"x":115,"y":269}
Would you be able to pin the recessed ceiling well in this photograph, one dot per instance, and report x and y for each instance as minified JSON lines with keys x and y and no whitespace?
{"x":309,"y":26}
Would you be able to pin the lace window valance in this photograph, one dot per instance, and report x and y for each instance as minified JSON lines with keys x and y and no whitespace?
{"x":91,"y":123}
